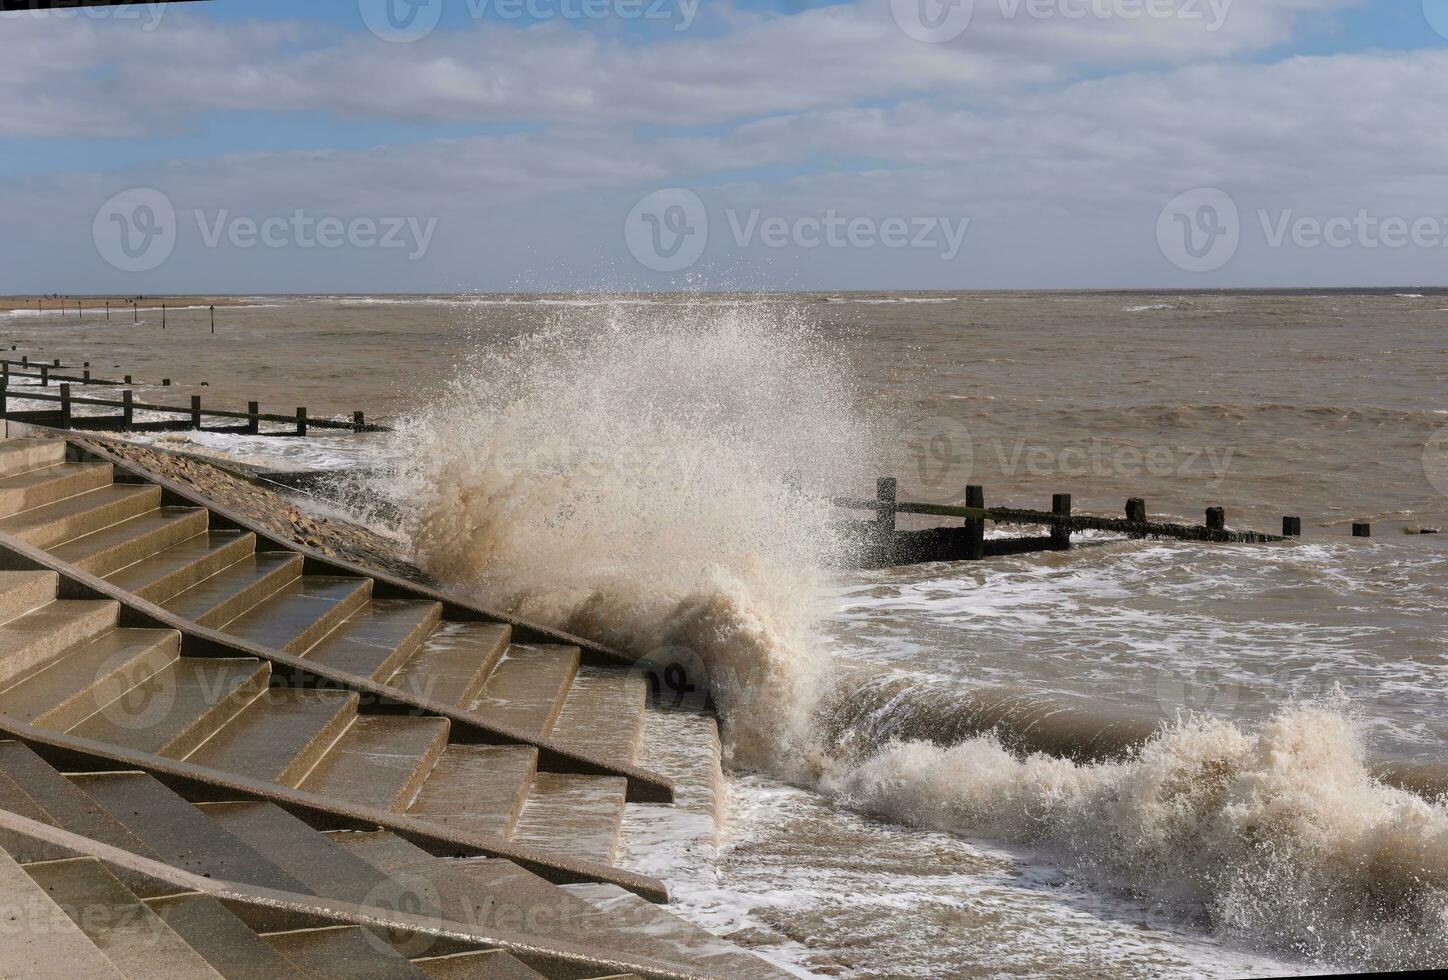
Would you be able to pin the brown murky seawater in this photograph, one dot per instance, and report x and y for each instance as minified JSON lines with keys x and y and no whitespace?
{"x":1325,"y":405}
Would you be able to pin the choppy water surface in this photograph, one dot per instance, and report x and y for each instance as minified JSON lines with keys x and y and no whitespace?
{"x":626,"y":468}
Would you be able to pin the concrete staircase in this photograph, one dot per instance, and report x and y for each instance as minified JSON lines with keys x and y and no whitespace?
{"x":69,"y":666}
{"x":74,"y":914}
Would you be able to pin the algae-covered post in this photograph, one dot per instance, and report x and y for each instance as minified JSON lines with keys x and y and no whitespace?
{"x":1061,"y":529}
{"x":1216,"y":519}
{"x":359,"y":423}
{"x":975,"y":528}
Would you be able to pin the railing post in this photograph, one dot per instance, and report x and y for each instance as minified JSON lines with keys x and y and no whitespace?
{"x":975,"y":529}
{"x":1292,"y":527}
{"x":253,"y":424}
{"x":196,"y":412}
{"x":65,"y":406}
{"x":301,"y":421}
{"x":1061,"y":529}
{"x":127,"y":412}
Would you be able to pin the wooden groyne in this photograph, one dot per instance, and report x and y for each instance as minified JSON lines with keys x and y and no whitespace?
{"x":191,"y":417}
{"x":884,"y":545}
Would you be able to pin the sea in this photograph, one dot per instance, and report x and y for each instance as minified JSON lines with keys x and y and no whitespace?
{"x":658,"y":471}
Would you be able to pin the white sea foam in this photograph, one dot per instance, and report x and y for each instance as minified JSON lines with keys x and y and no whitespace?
{"x":626,"y":475}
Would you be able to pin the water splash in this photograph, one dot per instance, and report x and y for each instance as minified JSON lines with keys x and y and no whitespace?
{"x":654,"y":477}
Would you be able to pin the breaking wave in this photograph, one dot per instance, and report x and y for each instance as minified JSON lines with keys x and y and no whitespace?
{"x":654,"y":478}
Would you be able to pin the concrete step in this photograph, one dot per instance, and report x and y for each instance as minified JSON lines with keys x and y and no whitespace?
{"x":121,"y":926}
{"x":301,"y":612}
{"x":39,"y":941}
{"x":23,"y":455}
{"x":280,"y":735}
{"x":603,"y":714}
{"x":477,"y":789}
{"x":343,"y":953}
{"x":55,"y":800}
{"x":222,"y":939}
{"x":182,"y":565}
{"x":42,"y":635}
{"x":231,"y":591}
{"x":178,"y":708}
{"x":23,"y":592}
{"x":685,"y":942}
{"x":487,"y":964}
{"x":494,"y":894}
{"x":453,"y":663}
{"x":380,"y":761}
{"x":575,"y":815}
{"x":527,"y":689}
{"x":179,"y":833}
{"x":119,"y":545}
{"x":323,"y":867}
{"x":49,"y":484}
{"x":379,"y":637}
{"x":53,"y":524}
{"x":85,"y":678}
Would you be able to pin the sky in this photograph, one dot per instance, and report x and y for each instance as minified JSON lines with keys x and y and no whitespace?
{"x":263,"y":146}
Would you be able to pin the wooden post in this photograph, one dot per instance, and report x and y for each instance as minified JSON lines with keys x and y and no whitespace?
{"x":127,"y":413}
{"x":25,"y":360}
{"x":358,"y":422}
{"x":45,"y":375}
{"x":301,"y":421}
{"x":165,"y":382}
{"x":163,"y":316}
{"x":108,"y":311}
{"x":1362,"y":529}
{"x":65,"y":406}
{"x":128,"y":379}
{"x":1216,"y":519}
{"x":213,"y":319}
{"x":85,"y":375}
{"x":136,"y":310}
{"x":1061,"y":530}
{"x":56,"y":362}
{"x":253,"y":424}
{"x":196,"y":412}
{"x":887,"y":491}
{"x":974,"y":529}
{"x":1292,"y":527}
{"x":1136,"y":510}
